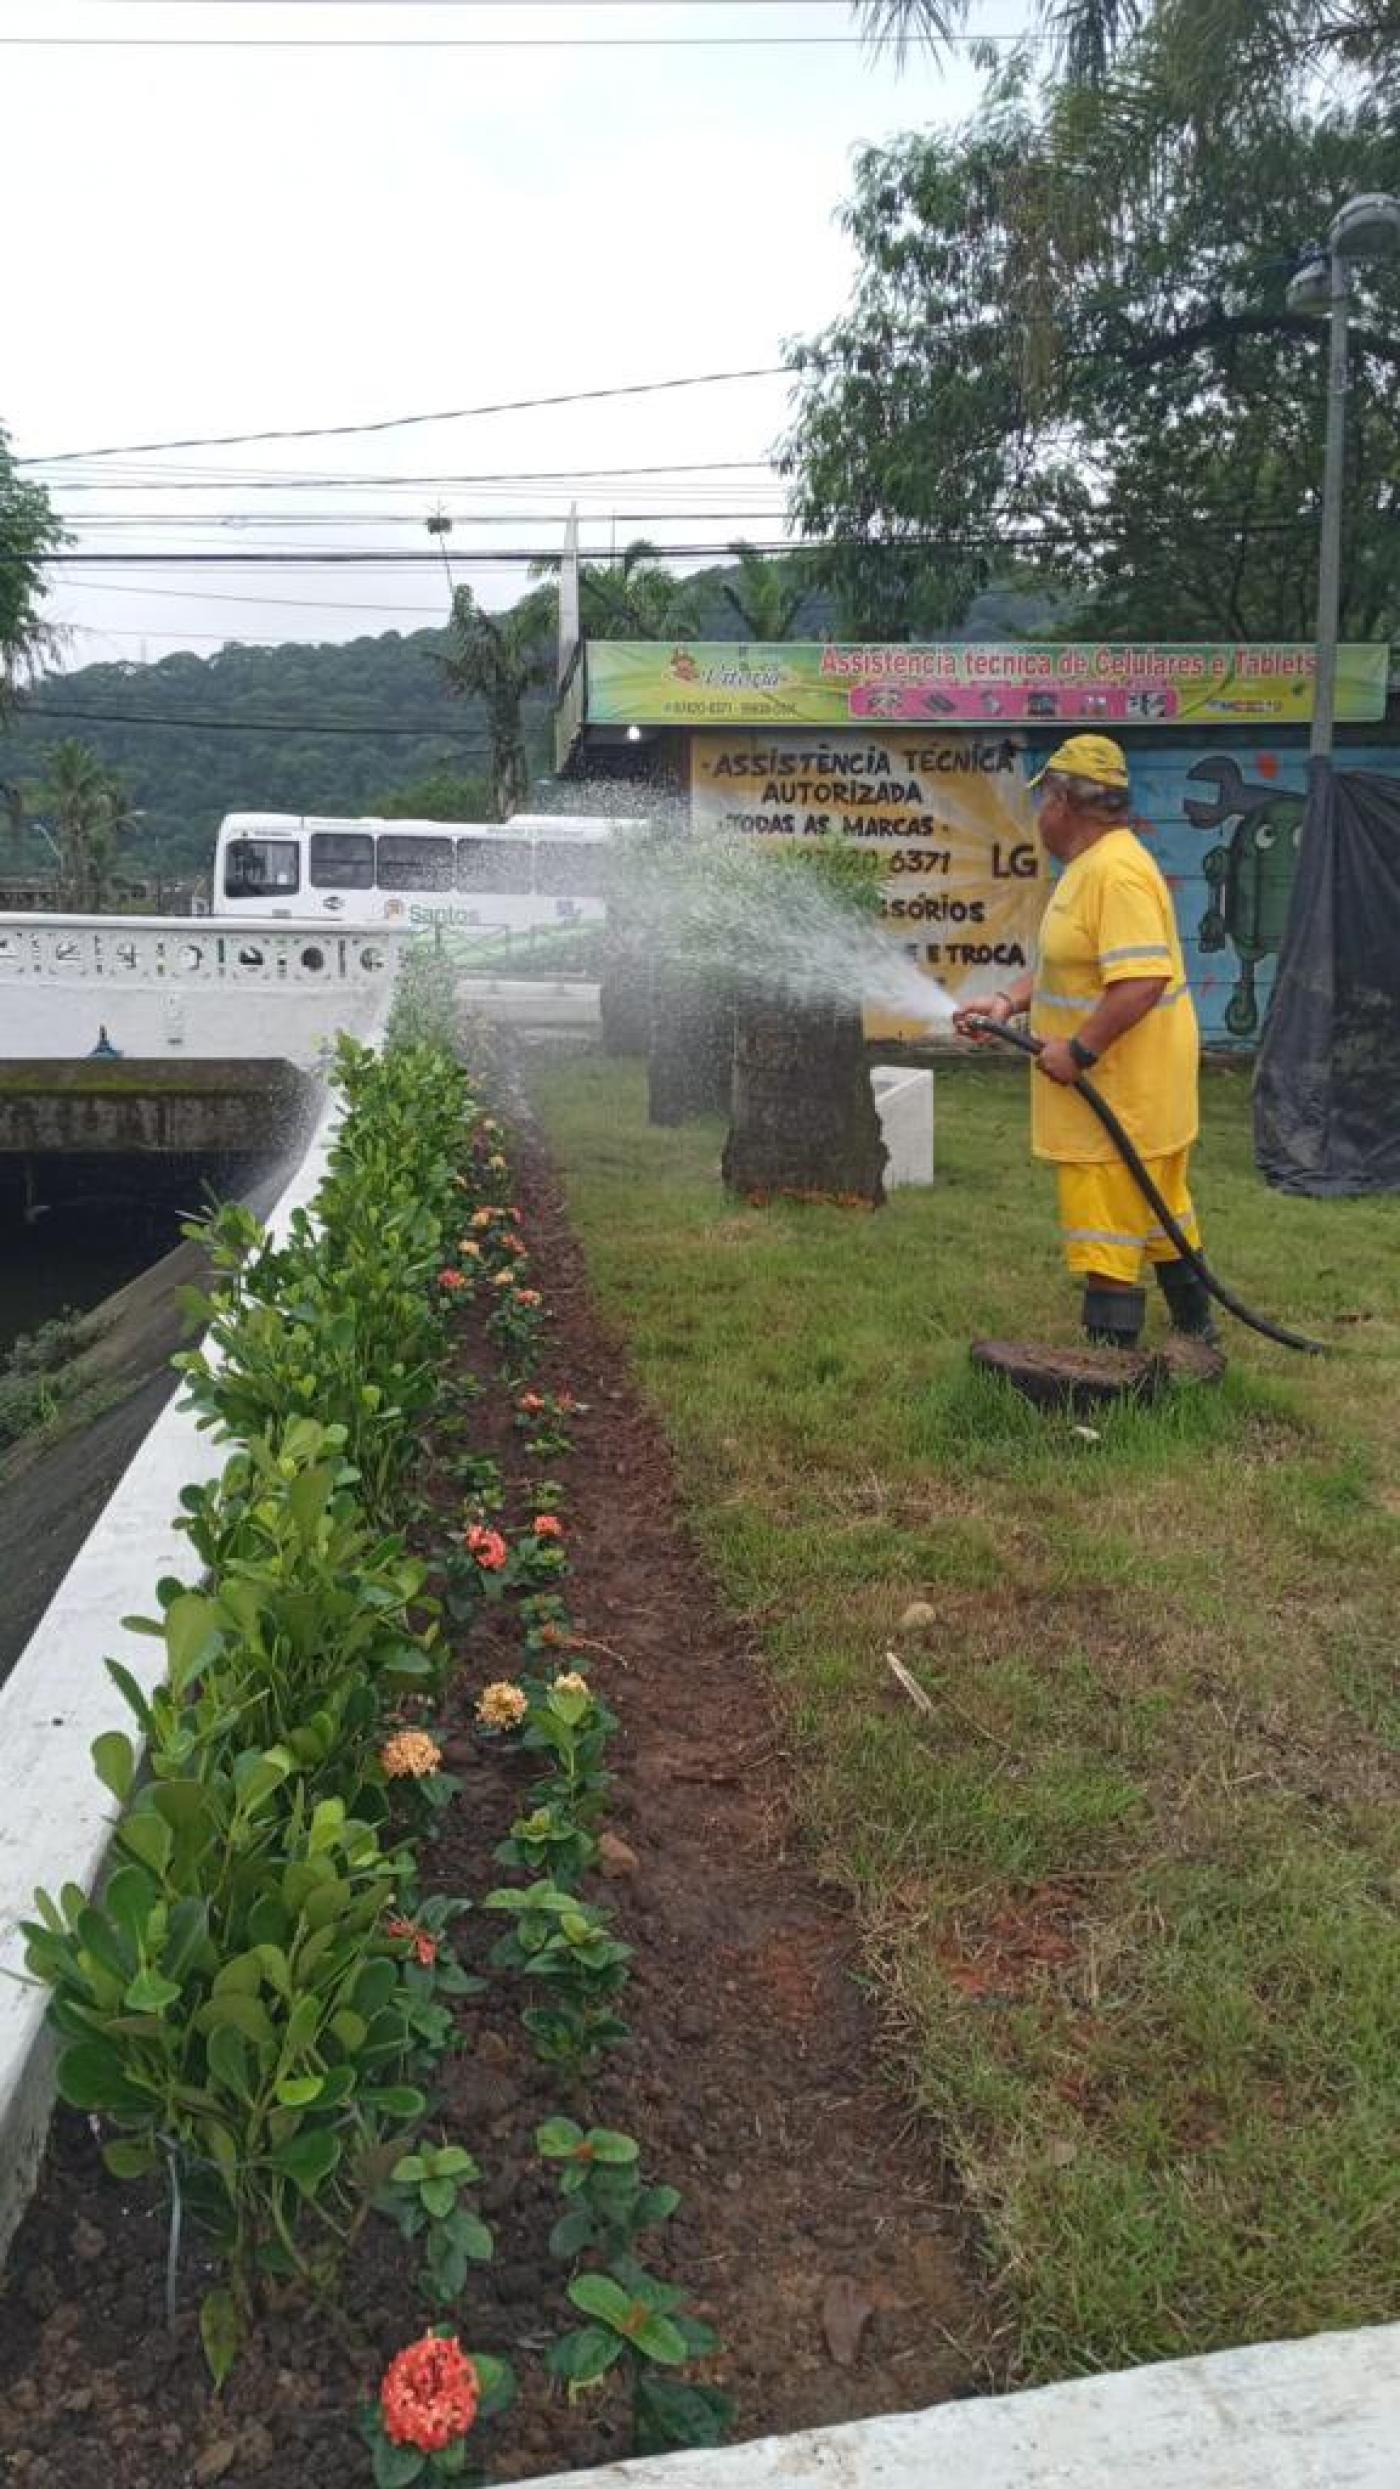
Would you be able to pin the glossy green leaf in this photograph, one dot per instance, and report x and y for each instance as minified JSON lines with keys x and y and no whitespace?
{"x":308,"y":2159}
{"x":114,"y":1761}
{"x":221,"y":2332}
{"x":147,"y":1836}
{"x":150,"y":1993}
{"x":128,"y":2157}
{"x":579,"y":2359}
{"x":190,"y":1627}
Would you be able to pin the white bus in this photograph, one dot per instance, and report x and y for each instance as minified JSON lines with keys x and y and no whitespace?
{"x":507,"y":888}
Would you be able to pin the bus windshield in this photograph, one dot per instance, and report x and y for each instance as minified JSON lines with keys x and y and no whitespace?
{"x":259,"y":868}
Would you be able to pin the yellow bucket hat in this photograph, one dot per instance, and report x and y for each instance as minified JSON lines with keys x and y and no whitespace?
{"x":1095,"y":757}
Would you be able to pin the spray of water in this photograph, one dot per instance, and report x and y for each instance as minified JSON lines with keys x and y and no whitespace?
{"x":735,"y":909}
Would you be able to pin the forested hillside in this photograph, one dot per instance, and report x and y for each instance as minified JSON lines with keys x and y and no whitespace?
{"x":330,"y":729}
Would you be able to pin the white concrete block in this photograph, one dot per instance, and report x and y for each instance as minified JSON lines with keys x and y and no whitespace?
{"x":904,"y":1103}
{"x":533,"y":1002}
{"x":1317,"y":2414}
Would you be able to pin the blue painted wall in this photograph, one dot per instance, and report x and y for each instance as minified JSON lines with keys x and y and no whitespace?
{"x":1222,"y":820}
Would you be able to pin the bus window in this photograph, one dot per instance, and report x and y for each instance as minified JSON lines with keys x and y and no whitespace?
{"x":571,"y":869}
{"x":498,"y":864}
{"x":342,"y":860}
{"x":261,"y":868}
{"x":415,"y":863}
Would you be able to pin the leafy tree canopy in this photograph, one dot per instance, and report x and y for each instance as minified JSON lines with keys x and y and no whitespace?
{"x":1069,"y":360}
{"x":28,"y":531}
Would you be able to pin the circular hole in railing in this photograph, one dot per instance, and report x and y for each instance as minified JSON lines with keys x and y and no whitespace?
{"x":371,"y":958}
{"x":313,"y":958}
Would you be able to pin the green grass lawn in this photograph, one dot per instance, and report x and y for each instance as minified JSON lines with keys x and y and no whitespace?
{"x":1129,"y":1895}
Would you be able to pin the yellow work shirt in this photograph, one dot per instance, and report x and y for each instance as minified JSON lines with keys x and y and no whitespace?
{"x":1109,"y":918}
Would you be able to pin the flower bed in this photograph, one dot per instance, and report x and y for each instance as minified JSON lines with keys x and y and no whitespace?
{"x":274,"y":2014}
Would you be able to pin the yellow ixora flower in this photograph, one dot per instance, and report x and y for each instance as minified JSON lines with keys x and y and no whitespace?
{"x":502,"y":1705}
{"x":571,"y":1683}
{"x":411,"y":1755}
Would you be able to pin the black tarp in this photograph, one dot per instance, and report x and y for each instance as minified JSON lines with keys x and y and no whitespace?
{"x":1327,"y":1080}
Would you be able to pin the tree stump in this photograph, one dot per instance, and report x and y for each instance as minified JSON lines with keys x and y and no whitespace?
{"x":1085,"y":1379}
{"x":804,"y":1119}
{"x":690,"y":1047}
{"x":622,"y":994}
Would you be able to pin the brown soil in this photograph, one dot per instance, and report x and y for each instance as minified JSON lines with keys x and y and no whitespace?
{"x":814,"y":2231}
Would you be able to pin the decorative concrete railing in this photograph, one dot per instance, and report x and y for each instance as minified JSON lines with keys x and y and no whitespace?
{"x":150,"y":986}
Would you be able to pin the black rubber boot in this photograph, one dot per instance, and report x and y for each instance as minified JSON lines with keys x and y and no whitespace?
{"x":1188,"y":1302}
{"x":1113,"y":1317}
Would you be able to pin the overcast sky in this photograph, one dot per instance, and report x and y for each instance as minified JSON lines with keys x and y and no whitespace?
{"x":215,"y":240}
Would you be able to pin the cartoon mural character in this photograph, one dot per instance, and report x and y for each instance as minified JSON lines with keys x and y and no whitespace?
{"x":1250,"y":875}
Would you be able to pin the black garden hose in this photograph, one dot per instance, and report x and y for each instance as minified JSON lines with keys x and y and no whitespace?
{"x":1175,"y":1234}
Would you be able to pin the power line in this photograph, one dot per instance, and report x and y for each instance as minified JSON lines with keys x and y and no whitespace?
{"x":401,"y":423}
{"x":1044,"y":539}
{"x":224,"y":519}
{"x":217,"y":596}
{"x":246,"y":480}
{"x":445,"y":43}
{"x":390,"y":5}
{"x":413,"y":731}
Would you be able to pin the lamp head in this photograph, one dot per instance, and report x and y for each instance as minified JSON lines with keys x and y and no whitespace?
{"x":1368,"y":227}
{"x":1310,"y":286}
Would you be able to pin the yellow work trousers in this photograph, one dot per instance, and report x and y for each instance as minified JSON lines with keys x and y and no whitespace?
{"x":1106,"y":1225}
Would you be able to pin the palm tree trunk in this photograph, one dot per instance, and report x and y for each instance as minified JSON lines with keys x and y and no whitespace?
{"x":690,"y":1046}
{"x":804,"y":1115}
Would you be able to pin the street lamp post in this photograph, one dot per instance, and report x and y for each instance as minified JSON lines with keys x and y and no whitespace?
{"x":1366,"y":228}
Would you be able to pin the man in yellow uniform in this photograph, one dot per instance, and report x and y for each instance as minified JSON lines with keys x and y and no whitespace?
{"x":1109,"y":996}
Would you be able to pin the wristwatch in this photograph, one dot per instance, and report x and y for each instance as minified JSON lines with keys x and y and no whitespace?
{"x":1084,"y":1056}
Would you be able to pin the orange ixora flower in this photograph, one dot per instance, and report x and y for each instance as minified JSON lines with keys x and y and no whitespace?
{"x":470,"y":1248}
{"x":511,"y":1243}
{"x":484,"y":1218}
{"x":409,"y":1931}
{"x":526,"y":1296}
{"x":548,"y":1525}
{"x":488,"y":1547}
{"x":531,"y":1403}
{"x":429,"y":2395}
{"x":411,"y":1755}
{"x":502,"y":1705}
{"x":570,"y":1683}
{"x":554,"y":1638}
{"x":451,"y":1280}
{"x":503,"y":1279}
